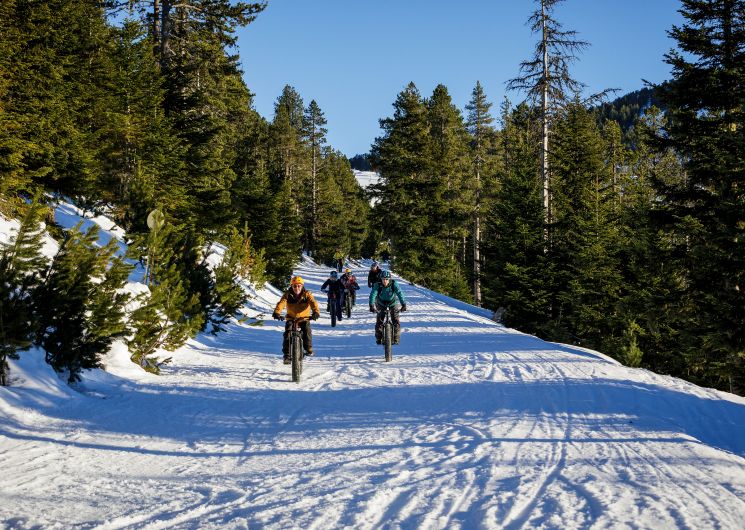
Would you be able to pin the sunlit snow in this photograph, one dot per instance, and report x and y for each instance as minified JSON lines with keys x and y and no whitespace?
{"x":471,"y":425}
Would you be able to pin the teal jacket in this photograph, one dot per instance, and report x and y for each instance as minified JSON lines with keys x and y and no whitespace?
{"x":386,"y":296}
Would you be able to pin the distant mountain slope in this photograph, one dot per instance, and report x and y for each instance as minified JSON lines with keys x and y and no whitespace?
{"x":626,"y":109}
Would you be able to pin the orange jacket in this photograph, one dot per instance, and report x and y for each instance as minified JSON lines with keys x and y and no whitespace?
{"x":300,"y":306}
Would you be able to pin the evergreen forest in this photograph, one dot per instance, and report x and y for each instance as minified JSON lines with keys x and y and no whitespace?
{"x":618,"y":227}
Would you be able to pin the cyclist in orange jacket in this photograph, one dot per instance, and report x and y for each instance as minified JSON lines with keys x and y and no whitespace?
{"x":300,"y":304}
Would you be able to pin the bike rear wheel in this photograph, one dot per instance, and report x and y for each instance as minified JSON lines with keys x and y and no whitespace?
{"x":296,"y":354}
{"x":348,"y":306}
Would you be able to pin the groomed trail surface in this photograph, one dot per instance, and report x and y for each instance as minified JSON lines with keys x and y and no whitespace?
{"x":471,"y":426}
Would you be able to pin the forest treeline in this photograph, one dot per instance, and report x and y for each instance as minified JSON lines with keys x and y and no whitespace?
{"x":138,"y":110}
{"x":618,"y":228}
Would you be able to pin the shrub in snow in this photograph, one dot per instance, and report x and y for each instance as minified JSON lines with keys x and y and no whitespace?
{"x":21,"y":261}
{"x":179,"y":288}
{"x":80,"y":304}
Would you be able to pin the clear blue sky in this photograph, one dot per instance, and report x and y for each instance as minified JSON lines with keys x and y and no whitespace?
{"x":354,"y":56}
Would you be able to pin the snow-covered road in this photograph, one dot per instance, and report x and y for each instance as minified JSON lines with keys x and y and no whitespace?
{"x":472,"y":425}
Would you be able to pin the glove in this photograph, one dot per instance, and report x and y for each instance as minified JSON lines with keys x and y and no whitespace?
{"x":314,"y":316}
{"x":403,"y":307}
{"x":372,"y":309}
{"x":324,"y":291}
{"x":277,"y":316}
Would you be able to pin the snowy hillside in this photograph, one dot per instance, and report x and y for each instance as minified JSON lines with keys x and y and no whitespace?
{"x":471,"y":425}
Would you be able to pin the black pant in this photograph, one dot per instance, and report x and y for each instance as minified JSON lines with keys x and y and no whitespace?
{"x":307,"y":337}
{"x":336,"y":303}
{"x":394,"y":320}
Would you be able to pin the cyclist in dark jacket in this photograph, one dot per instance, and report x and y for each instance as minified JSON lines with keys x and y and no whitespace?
{"x":383,"y":295}
{"x":335,"y":289}
{"x":350,"y":282}
{"x":373,"y":276}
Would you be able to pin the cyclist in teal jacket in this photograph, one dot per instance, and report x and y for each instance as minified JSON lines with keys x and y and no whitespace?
{"x":383,"y":295}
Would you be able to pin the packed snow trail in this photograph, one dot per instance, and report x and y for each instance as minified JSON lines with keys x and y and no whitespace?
{"x":471,"y":425}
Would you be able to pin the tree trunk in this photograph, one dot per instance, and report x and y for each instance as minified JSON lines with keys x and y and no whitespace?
{"x":477,"y":244}
{"x":544,"y":146}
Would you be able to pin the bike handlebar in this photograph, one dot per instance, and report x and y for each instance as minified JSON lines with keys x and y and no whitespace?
{"x":297,"y":319}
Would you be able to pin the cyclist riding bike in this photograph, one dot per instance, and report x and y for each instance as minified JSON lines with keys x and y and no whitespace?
{"x":335,"y":289}
{"x":350,"y":283}
{"x":373,"y":276}
{"x":382,"y":296}
{"x":300,"y":304}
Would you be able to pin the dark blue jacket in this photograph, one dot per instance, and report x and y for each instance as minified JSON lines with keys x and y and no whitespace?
{"x":334,"y":286}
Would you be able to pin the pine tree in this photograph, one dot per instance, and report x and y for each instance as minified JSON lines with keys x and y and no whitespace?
{"x":80,"y":304}
{"x":21,"y":262}
{"x":173,"y":312}
{"x":702,"y":214}
{"x":332,"y":213}
{"x":648,"y":313}
{"x":13,"y":177}
{"x":403,"y":158}
{"x":229,"y":294}
{"x":451,"y":203}
{"x":315,"y":135}
{"x":587,"y":280}
{"x":283,"y":251}
{"x":289,"y":163}
{"x":141,"y":157}
{"x":479,"y":126}
{"x":43,"y":95}
{"x":205,"y":99}
{"x":516,"y":270}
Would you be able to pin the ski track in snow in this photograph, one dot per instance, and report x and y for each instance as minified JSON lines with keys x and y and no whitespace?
{"x":472,"y":425}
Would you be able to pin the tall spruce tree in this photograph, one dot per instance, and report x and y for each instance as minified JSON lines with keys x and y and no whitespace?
{"x":702,"y":214}
{"x":479,"y":126}
{"x":516,"y":268}
{"x":450,"y":205}
{"x":142,"y":158}
{"x":315,"y":136}
{"x":403,"y":158}
{"x":584,"y":250}
{"x":288,"y":162}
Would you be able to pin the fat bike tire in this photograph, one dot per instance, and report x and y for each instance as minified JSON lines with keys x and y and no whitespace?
{"x":297,"y":359}
{"x":387,"y":340}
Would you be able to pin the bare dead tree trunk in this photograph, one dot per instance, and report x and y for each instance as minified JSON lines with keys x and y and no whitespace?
{"x":477,"y":242}
{"x":545,"y":189}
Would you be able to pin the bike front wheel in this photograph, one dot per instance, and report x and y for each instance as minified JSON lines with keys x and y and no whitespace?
{"x":387,"y":341}
{"x":296,"y":354}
